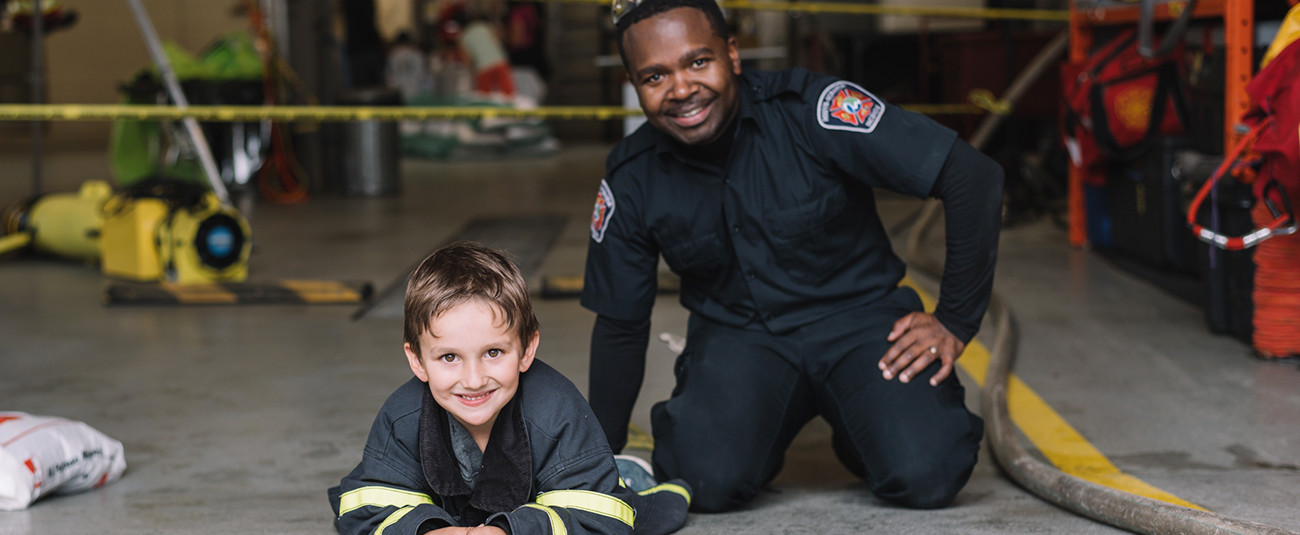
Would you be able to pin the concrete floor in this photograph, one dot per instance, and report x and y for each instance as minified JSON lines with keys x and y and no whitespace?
{"x":236,"y":419}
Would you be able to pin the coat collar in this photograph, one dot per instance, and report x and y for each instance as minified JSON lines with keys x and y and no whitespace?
{"x":505,"y":481}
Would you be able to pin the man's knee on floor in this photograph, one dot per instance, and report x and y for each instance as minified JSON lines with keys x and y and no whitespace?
{"x":715,"y":498}
{"x":924,"y":485}
{"x":717,"y":487}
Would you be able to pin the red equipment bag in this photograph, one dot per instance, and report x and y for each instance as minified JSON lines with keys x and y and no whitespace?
{"x":1117,"y":102}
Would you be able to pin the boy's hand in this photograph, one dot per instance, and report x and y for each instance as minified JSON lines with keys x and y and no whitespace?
{"x":449,"y":530}
{"x":458,"y":530}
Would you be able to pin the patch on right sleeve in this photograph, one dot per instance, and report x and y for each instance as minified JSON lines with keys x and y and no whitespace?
{"x":602,"y":212}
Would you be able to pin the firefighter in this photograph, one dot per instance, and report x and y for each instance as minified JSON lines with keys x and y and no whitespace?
{"x":757,"y":190}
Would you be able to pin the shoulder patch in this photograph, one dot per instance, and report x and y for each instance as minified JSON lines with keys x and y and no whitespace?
{"x":845,"y":106}
{"x":602,"y":212}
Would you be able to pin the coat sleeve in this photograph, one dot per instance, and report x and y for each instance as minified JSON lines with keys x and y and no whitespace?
{"x":375,"y":499}
{"x":386,"y":493}
{"x":576,"y":485}
{"x":585,"y":497}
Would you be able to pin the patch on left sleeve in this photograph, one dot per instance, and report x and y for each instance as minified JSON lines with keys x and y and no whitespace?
{"x":602,"y":212}
{"x":845,"y":106}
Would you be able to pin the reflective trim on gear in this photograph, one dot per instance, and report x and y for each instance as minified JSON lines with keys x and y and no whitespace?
{"x":393,"y":518}
{"x":669,"y":487}
{"x":380,"y":497}
{"x":557,"y":524}
{"x":593,"y":502}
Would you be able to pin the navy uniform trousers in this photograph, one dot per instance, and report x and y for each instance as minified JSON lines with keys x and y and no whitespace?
{"x":743,"y":394}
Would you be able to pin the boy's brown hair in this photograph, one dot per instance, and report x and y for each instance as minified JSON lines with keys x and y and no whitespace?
{"x":458,"y":273}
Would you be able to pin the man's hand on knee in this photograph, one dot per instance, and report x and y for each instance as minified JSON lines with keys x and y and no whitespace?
{"x":920,"y":339}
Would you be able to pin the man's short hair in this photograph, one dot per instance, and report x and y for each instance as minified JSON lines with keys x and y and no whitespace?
{"x":650,"y":8}
{"x":461,"y":272}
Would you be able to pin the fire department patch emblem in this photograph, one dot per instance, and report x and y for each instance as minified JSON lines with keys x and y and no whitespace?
{"x":602,"y":212}
{"x":845,"y":106}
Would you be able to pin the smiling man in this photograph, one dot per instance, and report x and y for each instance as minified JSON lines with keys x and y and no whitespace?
{"x":757,"y":188}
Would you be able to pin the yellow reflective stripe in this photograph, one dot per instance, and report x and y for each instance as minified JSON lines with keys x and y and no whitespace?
{"x":380,"y":497}
{"x":594,"y":502}
{"x":670,"y":488}
{"x":557,"y":524}
{"x":393,"y":518}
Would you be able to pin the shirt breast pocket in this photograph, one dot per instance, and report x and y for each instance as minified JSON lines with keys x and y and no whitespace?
{"x":698,"y":256}
{"x":815,"y":240}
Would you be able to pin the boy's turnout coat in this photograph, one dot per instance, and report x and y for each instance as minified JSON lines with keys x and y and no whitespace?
{"x":547,"y":469}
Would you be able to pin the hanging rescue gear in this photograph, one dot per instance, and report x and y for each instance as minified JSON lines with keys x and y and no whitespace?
{"x":1268,"y":156}
{"x":1117,"y":102}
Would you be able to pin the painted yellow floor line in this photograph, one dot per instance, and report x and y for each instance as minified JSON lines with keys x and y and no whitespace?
{"x":1058,"y":441}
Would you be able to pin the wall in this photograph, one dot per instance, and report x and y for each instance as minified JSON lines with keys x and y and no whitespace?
{"x":87,"y":62}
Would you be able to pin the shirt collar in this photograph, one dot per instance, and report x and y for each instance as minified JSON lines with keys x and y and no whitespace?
{"x":463,"y":446}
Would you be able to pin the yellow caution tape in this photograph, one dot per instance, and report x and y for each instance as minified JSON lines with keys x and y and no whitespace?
{"x":876,"y":9}
{"x":913,"y":11}
{"x":324,"y":114}
{"x":108,"y":112}
{"x":985,"y":100}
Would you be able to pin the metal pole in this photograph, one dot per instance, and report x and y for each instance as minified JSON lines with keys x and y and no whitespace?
{"x":38,"y":90}
{"x":174,"y":89}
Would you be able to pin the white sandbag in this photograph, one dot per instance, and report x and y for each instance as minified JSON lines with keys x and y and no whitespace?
{"x":40,"y":456}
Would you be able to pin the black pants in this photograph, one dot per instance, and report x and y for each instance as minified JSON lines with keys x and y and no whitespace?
{"x":743,"y":394}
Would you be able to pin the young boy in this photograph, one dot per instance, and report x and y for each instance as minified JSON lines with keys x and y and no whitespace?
{"x":486,"y":439}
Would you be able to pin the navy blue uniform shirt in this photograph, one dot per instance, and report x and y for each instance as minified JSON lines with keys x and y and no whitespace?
{"x":786,"y":231}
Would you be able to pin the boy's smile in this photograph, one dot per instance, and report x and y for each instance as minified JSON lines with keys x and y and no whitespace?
{"x":472,"y":360}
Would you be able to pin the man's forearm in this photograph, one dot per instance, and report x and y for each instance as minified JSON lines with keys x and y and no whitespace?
{"x":970,"y":186}
{"x":617,"y":369}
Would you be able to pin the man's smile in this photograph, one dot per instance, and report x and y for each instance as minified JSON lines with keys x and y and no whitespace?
{"x":690,"y":114}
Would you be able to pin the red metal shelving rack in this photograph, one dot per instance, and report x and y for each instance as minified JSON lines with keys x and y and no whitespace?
{"x":1239,"y":27}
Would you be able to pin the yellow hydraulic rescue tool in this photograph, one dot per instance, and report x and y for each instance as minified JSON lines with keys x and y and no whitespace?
{"x":159,"y":230}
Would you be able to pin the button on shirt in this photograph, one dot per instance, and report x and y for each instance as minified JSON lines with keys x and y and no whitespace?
{"x":785,"y":232}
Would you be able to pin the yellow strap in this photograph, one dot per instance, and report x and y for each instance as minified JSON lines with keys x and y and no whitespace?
{"x":380,"y":497}
{"x":557,"y":524}
{"x":670,"y":488}
{"x":392,"y":519}
{"x":595,"y":502}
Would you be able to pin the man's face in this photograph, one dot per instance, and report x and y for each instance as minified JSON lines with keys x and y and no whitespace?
{"x":684,"y":74}
{"x":472,"y":362}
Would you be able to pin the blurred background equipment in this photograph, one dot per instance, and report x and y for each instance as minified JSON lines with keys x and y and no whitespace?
{"x":176,"y":231}
{"x":159,"y":229}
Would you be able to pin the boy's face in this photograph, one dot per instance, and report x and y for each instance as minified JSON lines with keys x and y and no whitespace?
{"x":684,"y":74}
{"x":472,"y":361}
